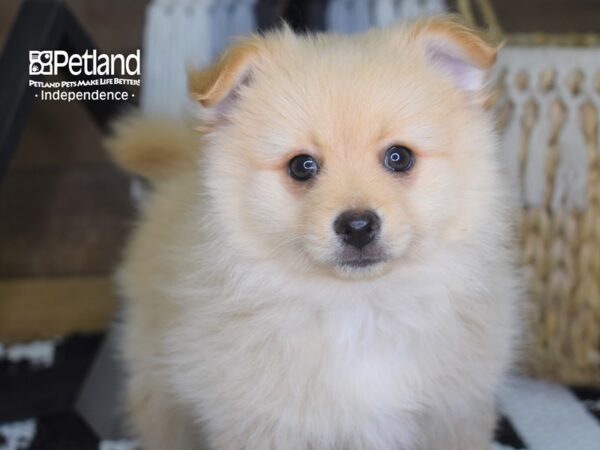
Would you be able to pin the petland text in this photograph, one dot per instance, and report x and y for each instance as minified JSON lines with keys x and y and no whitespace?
{"x":90,"y":63}
{"x":94,"y":70}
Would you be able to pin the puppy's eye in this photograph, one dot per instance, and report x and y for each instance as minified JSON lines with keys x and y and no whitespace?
{"x":398,"y":158}
{"x":303,"y":167}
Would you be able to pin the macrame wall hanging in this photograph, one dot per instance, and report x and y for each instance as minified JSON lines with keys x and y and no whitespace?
{"x":548,"y":107}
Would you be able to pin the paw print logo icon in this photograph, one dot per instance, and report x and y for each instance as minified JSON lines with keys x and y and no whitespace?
{"x":40,"y":62}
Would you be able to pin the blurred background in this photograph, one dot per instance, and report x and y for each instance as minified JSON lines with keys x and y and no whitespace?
{"x":65,"y":211}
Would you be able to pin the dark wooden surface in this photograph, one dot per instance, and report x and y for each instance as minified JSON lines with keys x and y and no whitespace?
{"x":64,"y":208}
{"x":557,"y":16}
{"x":552,"y":16}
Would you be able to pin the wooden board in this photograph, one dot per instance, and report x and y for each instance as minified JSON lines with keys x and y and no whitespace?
{"x":48,"y":307}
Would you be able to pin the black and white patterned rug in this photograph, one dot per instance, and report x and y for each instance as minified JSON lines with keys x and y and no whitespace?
{"x":41,"y":387}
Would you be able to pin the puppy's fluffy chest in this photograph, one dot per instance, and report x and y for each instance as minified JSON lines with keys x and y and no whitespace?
{"x":364,"y":355}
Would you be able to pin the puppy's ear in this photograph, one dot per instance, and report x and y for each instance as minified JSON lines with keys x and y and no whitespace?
{"x":457,"y":51}
{"x":215,"y":86}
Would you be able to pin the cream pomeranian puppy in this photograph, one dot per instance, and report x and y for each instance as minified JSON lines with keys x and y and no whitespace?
{"x":328,"y":264}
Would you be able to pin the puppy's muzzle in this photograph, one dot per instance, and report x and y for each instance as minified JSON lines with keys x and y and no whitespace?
{"x":357,"y":228}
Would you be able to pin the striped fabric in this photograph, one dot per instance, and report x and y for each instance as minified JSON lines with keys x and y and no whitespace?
{"x":535,"y":415}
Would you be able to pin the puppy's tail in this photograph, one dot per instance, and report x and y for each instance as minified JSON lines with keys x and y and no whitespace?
{"x":155,"y":149}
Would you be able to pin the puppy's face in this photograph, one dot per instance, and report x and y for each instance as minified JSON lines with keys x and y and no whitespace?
{"x":348,"y":155}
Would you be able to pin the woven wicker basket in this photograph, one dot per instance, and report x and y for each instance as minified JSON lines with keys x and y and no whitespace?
{"x":548,"y":106}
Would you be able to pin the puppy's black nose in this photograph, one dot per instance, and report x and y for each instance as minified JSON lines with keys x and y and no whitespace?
{"x":357,"y":228}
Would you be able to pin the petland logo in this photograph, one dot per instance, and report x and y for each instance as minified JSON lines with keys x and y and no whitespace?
{"x":86,"y":73}
{"x":50,"y":62}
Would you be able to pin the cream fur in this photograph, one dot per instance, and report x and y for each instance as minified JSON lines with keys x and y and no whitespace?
{"x":240,"y":328}
{"x":153,"y":148}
